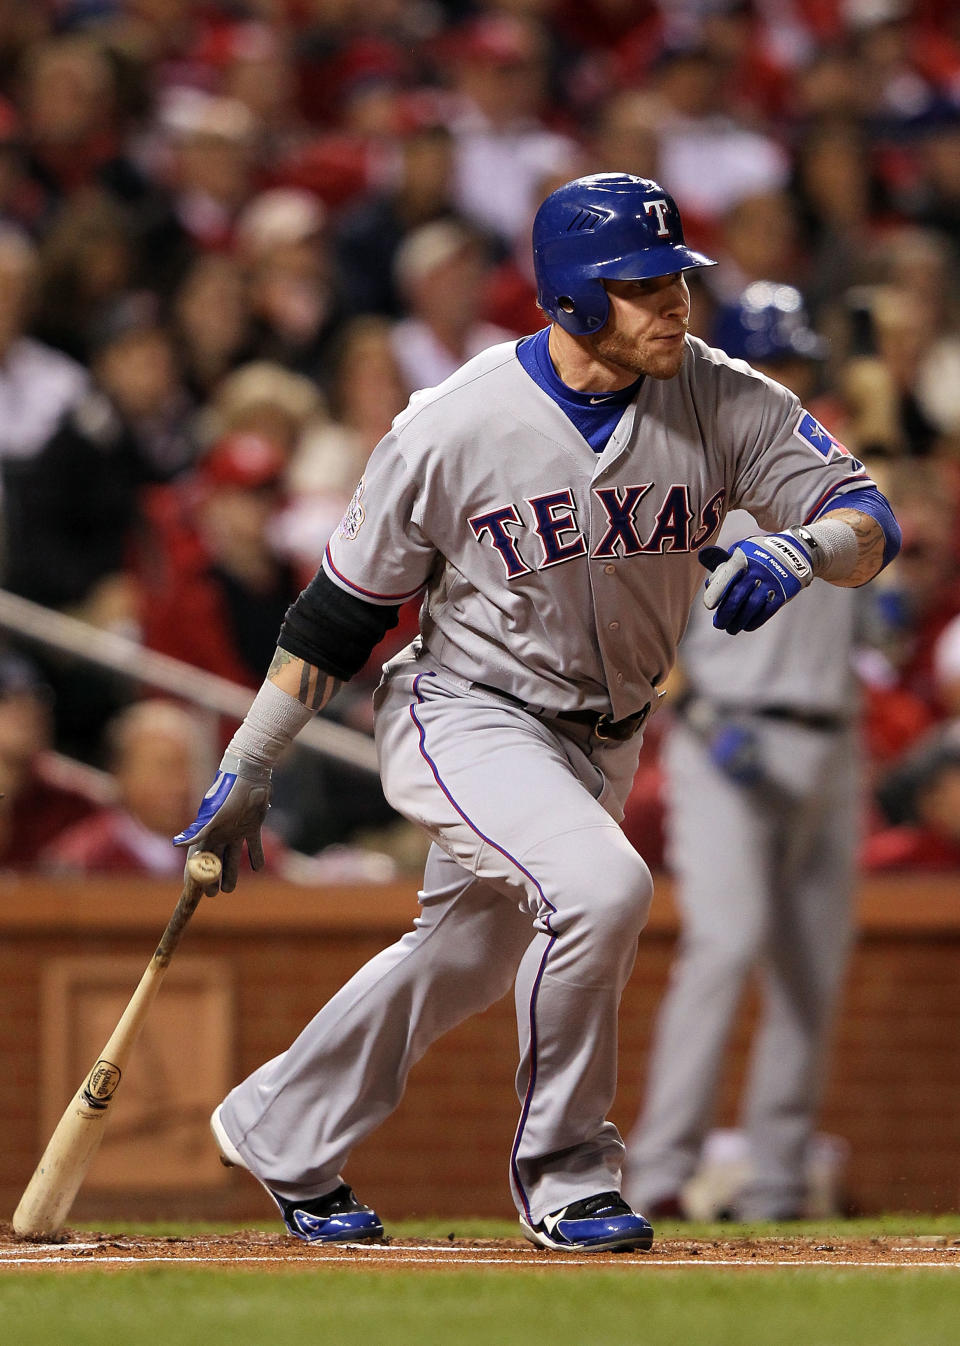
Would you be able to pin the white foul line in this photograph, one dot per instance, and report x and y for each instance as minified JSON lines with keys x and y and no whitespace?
{"x":466,"y":1258}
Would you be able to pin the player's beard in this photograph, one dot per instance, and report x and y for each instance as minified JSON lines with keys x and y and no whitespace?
{"x":646,"y":356}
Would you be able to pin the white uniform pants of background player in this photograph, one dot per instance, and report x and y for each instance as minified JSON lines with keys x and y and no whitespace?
{"x":530,"y":883}
{"x":764,"y":876}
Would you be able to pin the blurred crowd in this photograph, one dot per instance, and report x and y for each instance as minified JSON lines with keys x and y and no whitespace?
{"x":234,"y":238}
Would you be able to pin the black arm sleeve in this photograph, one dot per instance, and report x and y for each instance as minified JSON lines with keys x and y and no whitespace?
{"x":330,"y":628}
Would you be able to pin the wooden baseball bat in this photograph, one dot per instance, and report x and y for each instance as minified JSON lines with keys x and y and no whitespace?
{"x":50,"y":1193}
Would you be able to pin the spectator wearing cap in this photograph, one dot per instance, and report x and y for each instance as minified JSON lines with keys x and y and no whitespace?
{"x":442,"y":270}
{"x":213,"y":148}
{"x":39,"y":800}
{"x":498,"y":67}
{"x":253,"y":63}
{"x":295,"y":304}
{"x":218,"y":591}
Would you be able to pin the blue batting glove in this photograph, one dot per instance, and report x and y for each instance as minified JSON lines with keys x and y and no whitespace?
{"x":754,"y":579}
{"x":231,"y":813}
{"x":734,"y":751}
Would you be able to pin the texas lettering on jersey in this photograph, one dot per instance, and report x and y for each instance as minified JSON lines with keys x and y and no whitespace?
{"x":553,"y":519}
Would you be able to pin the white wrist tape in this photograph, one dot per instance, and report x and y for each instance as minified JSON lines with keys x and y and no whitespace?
{"x":270,"y":726}
{"x":835,"y":550}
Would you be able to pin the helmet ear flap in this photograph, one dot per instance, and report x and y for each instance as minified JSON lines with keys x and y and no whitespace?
{"x":583,"y":312}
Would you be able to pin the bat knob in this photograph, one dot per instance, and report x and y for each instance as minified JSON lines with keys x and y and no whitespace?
{"x":204,"y":868}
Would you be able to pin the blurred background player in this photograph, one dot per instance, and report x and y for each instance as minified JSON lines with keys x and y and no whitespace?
{"x":761,"y":775}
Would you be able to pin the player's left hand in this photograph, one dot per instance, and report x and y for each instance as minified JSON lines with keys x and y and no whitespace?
{"x":754,"y":579}
{"x":231,"y":813}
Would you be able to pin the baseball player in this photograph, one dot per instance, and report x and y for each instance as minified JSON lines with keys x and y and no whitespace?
{"x":762,"y":782}
{"x":549,"y":500}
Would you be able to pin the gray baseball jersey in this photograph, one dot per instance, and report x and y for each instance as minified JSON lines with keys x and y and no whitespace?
{"x":561,"y":576}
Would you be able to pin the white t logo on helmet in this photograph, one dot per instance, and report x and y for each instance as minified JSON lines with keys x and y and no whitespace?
{"x":661,"y":208}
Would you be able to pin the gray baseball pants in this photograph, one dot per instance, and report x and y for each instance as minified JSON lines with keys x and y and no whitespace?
{"x":531,"y":883}
{"x":764,"y":878}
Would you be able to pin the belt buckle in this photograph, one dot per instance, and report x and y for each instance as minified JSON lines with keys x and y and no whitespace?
{"x":635,"y":722}
{"x":598,"y":729}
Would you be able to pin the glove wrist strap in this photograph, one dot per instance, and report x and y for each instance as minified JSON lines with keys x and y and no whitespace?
{"x":832,"y":547}
{"x":235,"y":765}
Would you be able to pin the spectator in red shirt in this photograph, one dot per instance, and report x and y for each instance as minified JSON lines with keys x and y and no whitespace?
{"x":219,"y":591}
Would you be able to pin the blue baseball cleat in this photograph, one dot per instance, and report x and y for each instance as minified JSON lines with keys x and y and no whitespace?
{"x":602,"y":1223}
{"x":336,"y":1217}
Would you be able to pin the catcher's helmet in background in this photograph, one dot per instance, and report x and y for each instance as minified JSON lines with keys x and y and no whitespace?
{"x":611,"y":226}
{"x":767,"y":324}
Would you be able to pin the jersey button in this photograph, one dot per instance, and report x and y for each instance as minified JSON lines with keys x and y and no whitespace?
{"x":609,"y":570}
{"x":620,"y":679}
{"x":613,"y":626}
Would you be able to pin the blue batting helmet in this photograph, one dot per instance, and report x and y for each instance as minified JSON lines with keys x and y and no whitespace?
{"x":606,"y":226}
{"x":766,"y":324}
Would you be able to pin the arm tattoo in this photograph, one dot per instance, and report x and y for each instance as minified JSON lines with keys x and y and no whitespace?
{"x":316,"y":688}
{"x":309,"y":684}
{"x":280,"y":658}
{"x":870,"y":544}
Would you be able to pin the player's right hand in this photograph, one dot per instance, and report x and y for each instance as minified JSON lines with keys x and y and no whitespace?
{"x":754,"y":579}
{"x":231,"y":813}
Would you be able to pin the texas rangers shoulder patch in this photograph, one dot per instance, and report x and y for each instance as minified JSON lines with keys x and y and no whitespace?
{"x":809,"y":429}
{"x":353,"y":516}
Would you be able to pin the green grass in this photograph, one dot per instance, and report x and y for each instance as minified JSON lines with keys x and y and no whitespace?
{"x":555,"y":1305}
{"x":486,"y":1307}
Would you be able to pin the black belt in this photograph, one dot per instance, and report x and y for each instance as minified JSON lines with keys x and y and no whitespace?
{"x":601,"y":726}
{"x":807,"y":719}
{"x":599,"y":723}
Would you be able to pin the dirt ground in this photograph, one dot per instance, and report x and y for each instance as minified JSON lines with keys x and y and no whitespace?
{"x":268,"y":1251}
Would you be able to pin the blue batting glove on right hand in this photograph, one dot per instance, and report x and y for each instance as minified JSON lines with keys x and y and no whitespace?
{"x":231,"y":813}
{"x":754,"y":579}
